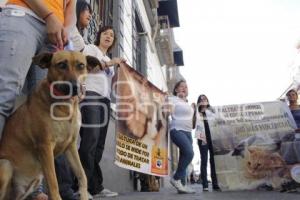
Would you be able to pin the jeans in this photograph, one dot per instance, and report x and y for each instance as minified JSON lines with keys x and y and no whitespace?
{"x":184,"y":142}
{"x":204,"y":148}
{"x":95,"y":113}
{"x":21,"y":37}
{"x":34,"y":76}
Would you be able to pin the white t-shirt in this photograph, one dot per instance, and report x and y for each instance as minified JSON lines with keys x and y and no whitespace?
{"x":101,"y":81}
{"x":76,"y":39}
{"x":200,"y":129}
{"x":182,"y":115}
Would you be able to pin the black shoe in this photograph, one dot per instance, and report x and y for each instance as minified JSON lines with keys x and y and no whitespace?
{"x":265,"y":187}
{"x":216,"y":188}
{"x":145,"y":190}
{"x":71,"y":197}
{"x":289,"y":187}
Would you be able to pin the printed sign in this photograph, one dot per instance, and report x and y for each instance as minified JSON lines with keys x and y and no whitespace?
{"x":255,"y":145}
{"x":142,"y":143}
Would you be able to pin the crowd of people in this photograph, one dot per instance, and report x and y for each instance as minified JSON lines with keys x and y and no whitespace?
{"x":29,"y":27}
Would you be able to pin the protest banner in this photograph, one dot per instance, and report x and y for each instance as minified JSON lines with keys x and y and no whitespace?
{"x":142,"y":140}
{"x":254,"y":145}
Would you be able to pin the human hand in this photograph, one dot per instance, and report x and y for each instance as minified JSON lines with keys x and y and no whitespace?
{"x":167,"y":109}
{"x":56,"y":31}
{"x":117,"y":61}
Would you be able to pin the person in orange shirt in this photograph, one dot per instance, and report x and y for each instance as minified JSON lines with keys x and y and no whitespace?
{"x":26,"y":27}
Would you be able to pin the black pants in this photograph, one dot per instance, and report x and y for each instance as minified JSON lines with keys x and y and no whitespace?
{"x":95,"y":111}
{"x":204,"y":149}
{"x":65,"y":178}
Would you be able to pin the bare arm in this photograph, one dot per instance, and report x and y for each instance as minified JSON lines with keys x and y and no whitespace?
{"x":70,"y":15}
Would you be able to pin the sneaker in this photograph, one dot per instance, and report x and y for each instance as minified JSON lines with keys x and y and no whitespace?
{"x":180,"y":188}
{"x":177,"y":184}
{"x":90,"y":197}
{"x":106,"y":193}
{"x":205,"y":189}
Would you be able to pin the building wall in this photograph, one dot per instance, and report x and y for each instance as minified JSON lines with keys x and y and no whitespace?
{"x":155,"y":72}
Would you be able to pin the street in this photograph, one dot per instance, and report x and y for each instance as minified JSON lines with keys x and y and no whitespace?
{"x":171,"y":194}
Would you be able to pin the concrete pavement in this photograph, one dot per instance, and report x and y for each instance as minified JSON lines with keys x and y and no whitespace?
{"x":171,"y":194}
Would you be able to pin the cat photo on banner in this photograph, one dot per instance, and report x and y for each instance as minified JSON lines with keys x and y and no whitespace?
{"x":254,"y":145}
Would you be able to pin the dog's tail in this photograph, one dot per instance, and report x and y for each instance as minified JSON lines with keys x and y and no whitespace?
{"x":6,"y":173}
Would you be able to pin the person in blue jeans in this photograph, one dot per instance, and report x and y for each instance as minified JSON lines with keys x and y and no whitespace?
{"x":202,"y":132}
{"x":181,"y":125}
{"x":25,"y":28}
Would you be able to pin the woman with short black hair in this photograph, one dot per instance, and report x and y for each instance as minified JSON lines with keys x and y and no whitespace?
{"x":95,"y":111}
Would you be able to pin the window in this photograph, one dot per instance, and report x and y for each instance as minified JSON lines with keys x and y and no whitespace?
{"x":139,"y":46}
{"x":102,"y":14}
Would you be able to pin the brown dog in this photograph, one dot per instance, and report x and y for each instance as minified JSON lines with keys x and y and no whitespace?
{"x":45,"y":126}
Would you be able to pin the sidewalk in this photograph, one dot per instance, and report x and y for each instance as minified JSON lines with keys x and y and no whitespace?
{"x":171,"y":194}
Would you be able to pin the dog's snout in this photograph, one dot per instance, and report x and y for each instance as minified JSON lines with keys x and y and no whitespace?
{"x":75,"y":88}
{"x":67,"y":88}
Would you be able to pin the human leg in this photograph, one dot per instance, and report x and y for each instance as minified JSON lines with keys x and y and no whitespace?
{"x":183,"y":142}
{"x":90,"y":133}
{"x":20,"y":38}
{"x":213,"y":169}
{"x":2,"y":122}
{"x":105,"y":116}
{"x":98,"y":176}
{"x":34,"y":76}
{"x":65,"y":178}
{"x":203,"y":167}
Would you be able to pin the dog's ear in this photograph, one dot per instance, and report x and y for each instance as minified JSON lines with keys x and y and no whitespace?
{"x":43,"y":60}
{"x":93,"y":63}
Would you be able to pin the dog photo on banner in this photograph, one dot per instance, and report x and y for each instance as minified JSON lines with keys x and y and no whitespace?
{"x":142,"y":141}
